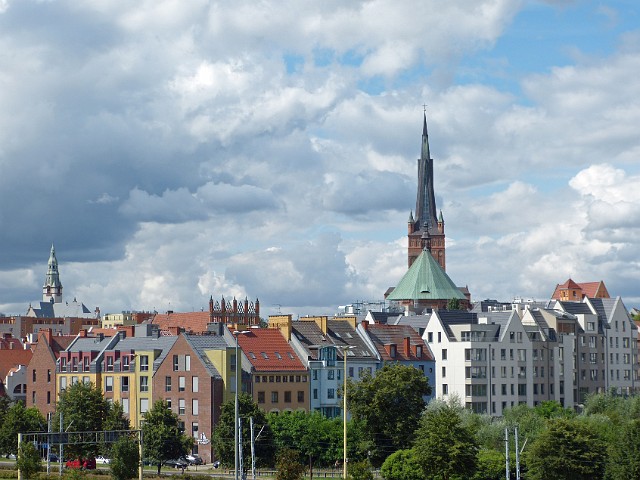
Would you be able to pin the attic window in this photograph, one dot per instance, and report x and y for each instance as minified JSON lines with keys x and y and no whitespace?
{"x":264,"y":355}
{"x":278,"y":356}
{"x":350,"y":353}
{"x":252,"y":355}
{"x":337,"y":334}
{"x":348,"y":335}
{"x":290,"y":355}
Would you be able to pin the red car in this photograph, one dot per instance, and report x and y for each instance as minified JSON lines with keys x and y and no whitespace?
{"x":82,"y":464}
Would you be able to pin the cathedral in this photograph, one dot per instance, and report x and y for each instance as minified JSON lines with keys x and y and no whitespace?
{"x":426,"y":285}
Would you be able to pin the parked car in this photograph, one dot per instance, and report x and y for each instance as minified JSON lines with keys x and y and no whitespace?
{"x":176,"y":463}
{"x":52,"y":457}
{"x":194,"y":459}
{"x":103,"y":460}
{"x":82,"y":463}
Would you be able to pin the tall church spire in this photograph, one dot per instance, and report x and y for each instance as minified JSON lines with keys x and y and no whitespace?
{"x":427,"y":230}
{"x":52,"y":288}
{"x":425,"y":202}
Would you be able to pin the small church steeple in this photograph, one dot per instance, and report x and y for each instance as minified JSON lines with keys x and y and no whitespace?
{"x":52,"y":288}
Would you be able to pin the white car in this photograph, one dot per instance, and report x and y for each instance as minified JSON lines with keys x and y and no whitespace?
{"x":102,"y":460}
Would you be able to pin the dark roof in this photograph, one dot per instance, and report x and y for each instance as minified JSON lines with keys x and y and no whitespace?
{"x":382,"y":335}
{"x":201,"y":343}
{"x":576,"y":308}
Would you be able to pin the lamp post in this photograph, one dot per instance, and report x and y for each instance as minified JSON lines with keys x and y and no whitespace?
{"x":237,"y":414}
{"x":344,"y":349}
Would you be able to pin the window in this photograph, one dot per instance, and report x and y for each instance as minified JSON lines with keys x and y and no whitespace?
{"x":419,"y":351}
{"x":315,"y":374}
{"x":287,"y":397}
{"x":522,"y":355}
{"x":444,"y":354}
{"x":48,"y":398}
{"x":63,"y":383}
{"x":86,"y":380}
{"x":33,"y":397}
{"x":331,"y":393}
{"x":144,"y":383}
{"x":444,"y":372}
{"x":125,"y":405}
{"x":48,"y":376}
{"x":330,"y":374}
{"x":187,"y":363}
{"x":109,"y":364}
{"x":125,"y":363}
{"x":194,"y":429}
{"x":522,"y":389}
{"x":195,"y":384}
{"x":445,"y":389}
{"x":439,"y":337}
{"x":260,"y":397}
{"x":168,"y":400}
{"x":430,"y":337}
{"x":144,"y":363}
{"x":182,"y":406}
{"x":182,"y":384}
{"x":300,"y":396}
{"x":350,"y":372}
{"x":63,"y":364}
{"x":194,"y":406}
{"x":34,"y":374}
{"x":393,"y":351}
{"x":274,"y":397}
{"x":108,"y":384}
{"x":176,"y":365}
{"x":315,"y":393}
{"x":144,"y":405}
{"x":124,"y":383}
{"x":167,"y":384}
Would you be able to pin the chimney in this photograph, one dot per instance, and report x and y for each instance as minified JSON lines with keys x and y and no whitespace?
{"x":407,"y":346}
{"x":48,"y":335}
{"x":83,"y":333}
{"x":365,"y":325}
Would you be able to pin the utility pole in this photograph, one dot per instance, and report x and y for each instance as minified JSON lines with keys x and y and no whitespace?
{"x":240,"y":456}
{"x":253,"y":450}
{"x":506,"y":446}
{"x":517,"y":456}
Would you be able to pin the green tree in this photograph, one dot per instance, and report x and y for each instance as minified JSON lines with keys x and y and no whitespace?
{"x":314,"y":435}
{"x":288,"y":466}
{"x":453,"y":304}
{"x":115,"y":420}
{"x":359,"y":470}
{"x":162,"y":437}
{"x":401,"y":465}
{"x":125,"y":458}
{"x":569,"y":449}
{"x":389,"y":407}
{"x":223,"y":436}
{"x":624,"y":454}
{"x":490,"y":465}
{"x":19,"y":419}
{"x":28,"y":461}
{"x":83,"y":409}
{"x":445,"y":448}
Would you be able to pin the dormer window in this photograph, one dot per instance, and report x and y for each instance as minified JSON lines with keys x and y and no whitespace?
{"x":109,"y":364}
{"x":86,"y":362}
{"x":393,"y":349}
{"x":419,"y":351}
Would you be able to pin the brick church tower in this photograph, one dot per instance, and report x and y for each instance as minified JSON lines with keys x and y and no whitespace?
{"x":426,"y":230}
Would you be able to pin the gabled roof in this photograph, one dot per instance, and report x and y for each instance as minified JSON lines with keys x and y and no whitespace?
{"x":576,"y":308}
{"x":200,"y":344}
{"x":267,"y":350}
{"x":426,"y":280}
{"x":13,"y":358}
{"x":382,"y":335}
{"x":587,"y":289}
{"x":192,"y":322}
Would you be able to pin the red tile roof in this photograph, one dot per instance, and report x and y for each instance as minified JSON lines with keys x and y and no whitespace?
{"x":192,"y":322}
{"x":267,"y":350}
{"x":12,"y":358}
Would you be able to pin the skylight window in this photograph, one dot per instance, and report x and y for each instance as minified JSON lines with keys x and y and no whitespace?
{"x":264,"y":355}
{"x":252,"y":355}
{"x":290,"y":355}
{"x":278,"y":356}
{"x":350,"y":353}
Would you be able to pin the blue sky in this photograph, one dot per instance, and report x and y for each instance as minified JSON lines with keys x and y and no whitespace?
{"x":177,"y":150}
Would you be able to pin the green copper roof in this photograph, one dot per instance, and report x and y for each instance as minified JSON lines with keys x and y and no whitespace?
{"x":426,"y":280}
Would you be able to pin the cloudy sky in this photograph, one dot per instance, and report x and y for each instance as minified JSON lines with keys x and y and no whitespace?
{"x":176,"y":150}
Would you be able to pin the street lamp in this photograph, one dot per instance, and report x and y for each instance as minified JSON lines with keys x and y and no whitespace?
{"x":237,"y":415}
{"x":344,"y":349}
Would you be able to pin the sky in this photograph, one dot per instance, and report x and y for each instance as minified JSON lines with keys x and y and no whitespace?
{"x":173,"y":151}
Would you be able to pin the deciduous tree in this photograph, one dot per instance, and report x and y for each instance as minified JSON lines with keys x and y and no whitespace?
{"x":401,"y":465}
{"x":125,"y":459}
{"x":444,"y":447}
{"x":19,"y":419}
{"x":389,"y":406}
{"x":568,"y":449}
{"x":162,"y":437}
